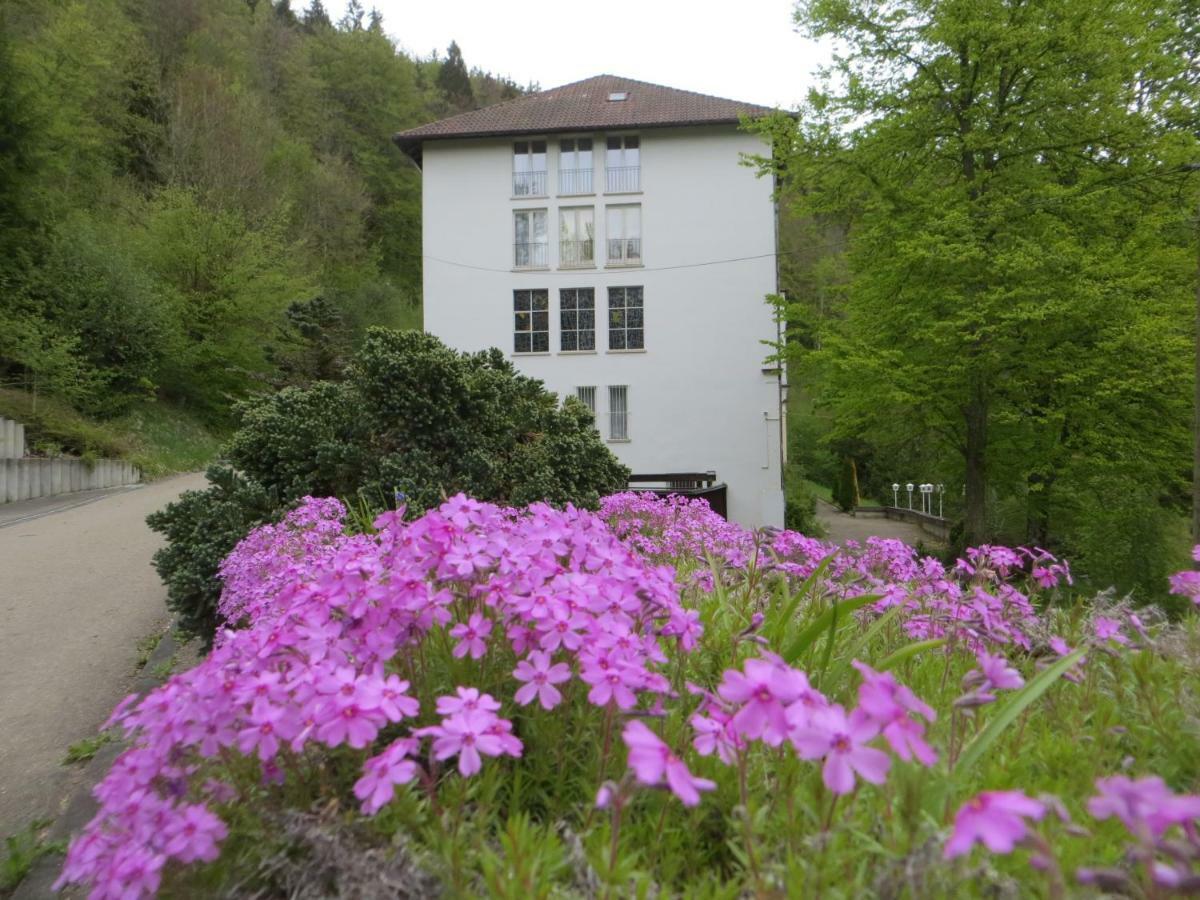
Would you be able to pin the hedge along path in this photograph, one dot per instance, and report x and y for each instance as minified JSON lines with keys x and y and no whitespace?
{"x":76,"y":593}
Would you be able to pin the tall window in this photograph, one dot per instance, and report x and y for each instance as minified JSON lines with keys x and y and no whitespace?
{"x":623,"y":165}
{"x":624,"y":235}
{"x":531,"y":315}
{"x":618,"y":412}
{"x":626,"y":329}
{"x":576,"y":236}
{"x":587,"y":396}
{"x":575,"y":166}
{"x":577,"y":312}
{"x":529,"y":169}
{"x":532,"y":247}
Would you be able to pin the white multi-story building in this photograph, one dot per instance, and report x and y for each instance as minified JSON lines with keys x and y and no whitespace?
{"x":606,"y":235}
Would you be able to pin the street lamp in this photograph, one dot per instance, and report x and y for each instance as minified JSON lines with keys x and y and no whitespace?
{"x":941,"y":489}
{"x":908,"y":487}
{"x":895,"y":495}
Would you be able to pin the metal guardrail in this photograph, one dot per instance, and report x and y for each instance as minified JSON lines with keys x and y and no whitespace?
{"x":529,"y":184}
{"x":623,"y":179}
{"x":575,"y":181}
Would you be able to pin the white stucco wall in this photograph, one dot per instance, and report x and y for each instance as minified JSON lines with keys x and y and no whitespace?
{"x":698,"y":397}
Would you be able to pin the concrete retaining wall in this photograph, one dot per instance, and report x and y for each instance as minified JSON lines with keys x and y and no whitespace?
{"x":932,"y":525}
{"x":30,"y":477}
{"x":12,"y":439}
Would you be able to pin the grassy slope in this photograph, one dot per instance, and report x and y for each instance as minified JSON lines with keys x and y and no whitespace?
{"x":158,"y":438}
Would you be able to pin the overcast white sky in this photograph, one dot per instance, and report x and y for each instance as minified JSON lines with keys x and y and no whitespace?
{"x":743,"y":50}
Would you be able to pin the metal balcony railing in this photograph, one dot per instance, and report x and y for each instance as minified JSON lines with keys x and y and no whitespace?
{"x":575,"y":181}
{"x":623,"y":179}
{"x":534,"y":255}
{"x":625,"y":250}
{"x":577,"y":253}
{"x":529,"y":184}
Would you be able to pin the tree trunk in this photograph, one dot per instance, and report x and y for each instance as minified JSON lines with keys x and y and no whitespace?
{"x":975,"y":519}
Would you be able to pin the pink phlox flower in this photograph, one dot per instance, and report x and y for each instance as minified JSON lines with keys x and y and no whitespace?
{"x":612,"y":681}
{"x":510,"y":744}
{"x":997,"y":673}
{"x":392,"y":700}
{"x":995,"y":819}
{"x":540,"y":677}
{"x":473,"y":636}
{"x":762,"y":692}
{"x":346,"y":722}
{"x":562,"y":629}
{"x":382,"y":773}
{"x":1107,"y":629}
{"x":714,"y":733}
{"x":893,"y":707}
{"x":263,"y":729}
{"x":193,"y":834}
{"x":841,"y":741}
{"x":1145,"y":806}
{"x":466,"y":699}
{"x":653,"y":763}
{"x":466,"y":735}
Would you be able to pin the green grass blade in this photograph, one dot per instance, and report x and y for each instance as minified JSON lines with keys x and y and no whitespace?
{"x":822,"y":623}
{"x":908,"y":652}
{"x":777,"y":630}
{"x":1009,"y":712}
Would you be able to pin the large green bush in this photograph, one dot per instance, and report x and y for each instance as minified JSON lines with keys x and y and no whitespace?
{"x":413,"y":417}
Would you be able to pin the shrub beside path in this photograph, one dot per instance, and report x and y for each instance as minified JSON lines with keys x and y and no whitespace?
{"x":77,"y":592}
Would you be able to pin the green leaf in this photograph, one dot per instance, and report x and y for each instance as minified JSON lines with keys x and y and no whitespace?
{"x":908,"y":652}
{"x":1009,"y":712}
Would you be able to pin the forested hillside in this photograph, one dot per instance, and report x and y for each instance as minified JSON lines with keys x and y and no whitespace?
{"x":199,"y":197}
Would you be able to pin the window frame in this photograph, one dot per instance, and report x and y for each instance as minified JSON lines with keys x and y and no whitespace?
{"x":624,"y":178}
{"x":622,"y":327}
{"x":574,"y":328}
{"x":563,"y":211}
{"x":624,"y":259}
{"x":583,"y":393}
{"x":530,"y":296}
{"x":532,"y":262}
{"x":614,"y":434}
{"x":586,"y":185}
{"x":532,"y":174}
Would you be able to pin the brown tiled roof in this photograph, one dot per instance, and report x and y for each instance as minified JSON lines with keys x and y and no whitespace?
{"x":581,"y":106}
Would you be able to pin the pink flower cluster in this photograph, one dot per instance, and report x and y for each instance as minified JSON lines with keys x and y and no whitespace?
{"x":331,"y":619}
{"x":1187,"y":583}
{"x":1149,"y":810}
{"x":769,"y":701}
{"x":979,"y":601}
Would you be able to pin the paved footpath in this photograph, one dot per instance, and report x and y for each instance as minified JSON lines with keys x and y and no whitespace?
{"x":841,"y":527}
{"x":77,"y":592}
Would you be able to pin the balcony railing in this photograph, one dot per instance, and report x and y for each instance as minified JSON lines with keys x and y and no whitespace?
{"x":623,"y":179}
{"x":534,"y":255}
{"x":625,"y":250}
{"x":575,"y":181}
{"x":529,"y":184}
{"x":576,"y":253}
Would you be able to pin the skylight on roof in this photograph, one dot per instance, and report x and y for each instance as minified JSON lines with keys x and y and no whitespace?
{"x":618,"y":95}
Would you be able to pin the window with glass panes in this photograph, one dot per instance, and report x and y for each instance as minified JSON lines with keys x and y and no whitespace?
{"x":576,"y":236}
{"x":577,"y":318}
{"x":531,"y":243}
{"x":587,"y":396}
{"x":624,"y":237}
{"x":618,"y":412}
{"x":529,"y":169}
{"x":622,"y":164}
{"x":575,"y":166}
{"x":626,"y":327}
{"x":531,"y":321}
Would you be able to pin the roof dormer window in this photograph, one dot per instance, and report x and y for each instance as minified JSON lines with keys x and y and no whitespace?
{"x":616,"y":96}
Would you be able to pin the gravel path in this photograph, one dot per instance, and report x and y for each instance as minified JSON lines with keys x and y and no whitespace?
{"x":76,"y":594}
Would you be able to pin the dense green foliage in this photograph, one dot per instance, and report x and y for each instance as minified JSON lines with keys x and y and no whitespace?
{"x":200,"y":528}
{"x":197,"y":196}
{"x":993,"y":283}
{"x":411,"y":416}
